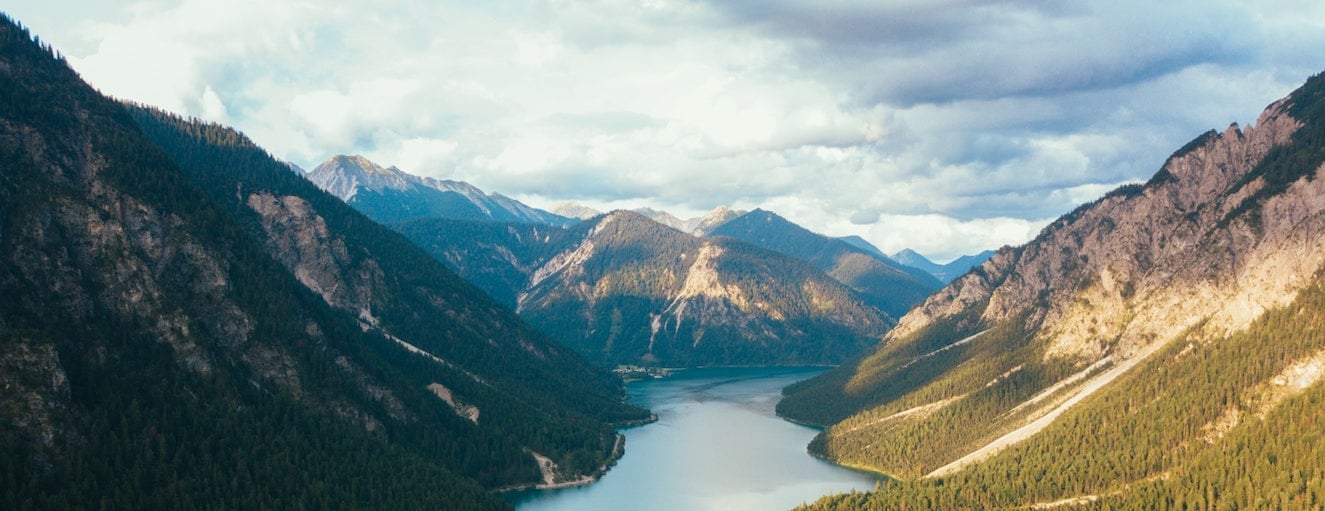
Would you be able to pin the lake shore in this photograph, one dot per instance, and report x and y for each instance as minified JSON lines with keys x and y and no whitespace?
{"x":717,"y":445}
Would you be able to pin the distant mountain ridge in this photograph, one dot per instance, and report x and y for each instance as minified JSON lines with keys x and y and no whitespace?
{"x":388,"y":194}
{"x":625,"y":289}
{"x":887,"y":285}
{"x":699,"y":226}
{"x":944,"y":272}
{"x":532,"y":266}
{"x":863,"y":244}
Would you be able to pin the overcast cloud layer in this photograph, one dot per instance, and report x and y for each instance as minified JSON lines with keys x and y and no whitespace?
{"x":945,"y":126}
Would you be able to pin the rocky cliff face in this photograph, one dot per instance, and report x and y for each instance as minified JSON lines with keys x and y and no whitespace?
{"x":1228,"y":229}
{"x":1118,"y":274}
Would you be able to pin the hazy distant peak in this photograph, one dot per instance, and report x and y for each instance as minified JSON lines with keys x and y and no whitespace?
{"x":572,"y":209}
{"x":345,"y":176}
{"x":663,"y":217}
{"x":944,"y":272}
{"x":703,"y":225}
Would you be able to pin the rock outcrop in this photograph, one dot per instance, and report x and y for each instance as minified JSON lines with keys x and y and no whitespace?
{"x":1228,"y":229}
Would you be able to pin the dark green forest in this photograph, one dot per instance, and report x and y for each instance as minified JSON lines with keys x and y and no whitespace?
{"x":1145,"y":442}
{"x":157,"y":354}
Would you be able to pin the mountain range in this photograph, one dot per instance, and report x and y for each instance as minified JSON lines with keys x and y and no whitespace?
{"x":944,"y":272}
{"x":891,"y":287}
{"x":698,"y":226}
{"x":1161,"y":347}
{"x":644,"y":287}
{"x":188,"y":323}
{"x":624,"y":289}
{"x":392,"y":195}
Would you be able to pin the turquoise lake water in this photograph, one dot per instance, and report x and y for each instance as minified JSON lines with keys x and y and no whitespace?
{"x":717,"y":445}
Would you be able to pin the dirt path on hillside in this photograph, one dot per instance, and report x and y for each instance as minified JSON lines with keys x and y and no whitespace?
{"x":1033,"y":427}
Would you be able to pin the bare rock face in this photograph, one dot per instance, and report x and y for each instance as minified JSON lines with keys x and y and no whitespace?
{"x":1229,"y":228}
{"x":299,"y":239}
{"x":1121,"y":273}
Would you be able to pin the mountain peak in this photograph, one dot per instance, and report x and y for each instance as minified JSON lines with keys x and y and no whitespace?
{"x":572,"y":209}
{"x":915,"y":259}
{"x":344,"y":175}
{"x":944,"y":272}
{"x":662,"y":217}
{"x":703,"y":225}
{"x":398,"y":195}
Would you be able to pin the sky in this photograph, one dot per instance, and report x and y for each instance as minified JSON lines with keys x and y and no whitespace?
{"x":948,"y":127}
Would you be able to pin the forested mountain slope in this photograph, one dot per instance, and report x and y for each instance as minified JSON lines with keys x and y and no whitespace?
{"x":887,"y":285}
{"x":188,"y":324}
{"x":655,"y":295}
{"x":499,"y":258}
{"x":624,"y":289}
{"x":1159,"y":347}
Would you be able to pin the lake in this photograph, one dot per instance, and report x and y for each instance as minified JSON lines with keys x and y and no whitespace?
{"x":718,"y":445}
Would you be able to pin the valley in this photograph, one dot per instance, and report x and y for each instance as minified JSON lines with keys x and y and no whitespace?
{"x":191,"y":321}
{"x":1143,"y":333}
{"x":717,"y":445}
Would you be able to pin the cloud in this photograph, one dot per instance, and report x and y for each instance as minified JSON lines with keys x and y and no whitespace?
{"x":947,"y":126}
{"x":910,"y":52}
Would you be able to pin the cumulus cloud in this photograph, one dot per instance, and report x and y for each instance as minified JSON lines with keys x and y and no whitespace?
{"x":945,"y":126}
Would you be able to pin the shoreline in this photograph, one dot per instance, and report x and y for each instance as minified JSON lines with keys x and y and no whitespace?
{"x":618,"y":450}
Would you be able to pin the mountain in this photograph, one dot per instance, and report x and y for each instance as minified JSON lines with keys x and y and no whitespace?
{"x":663,"y":217}
{"x":863,"y":244}
{"x":623,"y":289}
{"x":883,"y":283}
{"x":187,"y":323}
{"x":944,"y":272}
{"x":699,"y":226}
{"x":657,"y":296}
{"x":392,"y":195}
{"x":704,"y":225}
{"x":1162,"y":346}
{"x":570,"y":209}
{"x":499,"y":258}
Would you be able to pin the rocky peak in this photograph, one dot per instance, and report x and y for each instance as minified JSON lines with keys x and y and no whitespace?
{"x":703,"y":225}
{"x":343,"y":176}
{"x":571,"y":209}
{"x":1148,"y":249}
{"x":1207,"y":170}
{"x":662,"y":217}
